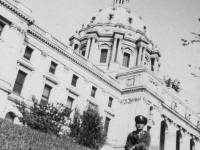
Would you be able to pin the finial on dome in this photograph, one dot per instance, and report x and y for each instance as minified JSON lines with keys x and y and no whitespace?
{"x":123,"y":3}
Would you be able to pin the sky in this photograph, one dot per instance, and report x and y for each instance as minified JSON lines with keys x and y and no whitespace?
{"x":168,"y":21}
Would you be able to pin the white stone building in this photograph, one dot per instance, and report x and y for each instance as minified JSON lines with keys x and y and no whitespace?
{"x":111,"y":64}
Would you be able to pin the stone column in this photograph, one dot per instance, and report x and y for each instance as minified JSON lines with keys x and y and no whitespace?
{"x":155,"y":65}
{"x":170,"y":136}
{"x":91,"y":47}
{"x":88,"y":48}
{"x":114,"y":50}
{"x":139,"y":56}
{"x":186,"y":141}
{"x":143,"y":56}
{"x":119,"y":52}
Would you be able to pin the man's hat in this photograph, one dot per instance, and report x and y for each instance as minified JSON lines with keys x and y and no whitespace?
{"x":141,"y":119}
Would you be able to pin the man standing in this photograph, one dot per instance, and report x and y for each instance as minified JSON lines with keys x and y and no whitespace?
{"x":139,"y":139}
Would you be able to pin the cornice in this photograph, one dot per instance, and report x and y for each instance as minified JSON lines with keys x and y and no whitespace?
{"x":17,"y":12}
{"x":115,"y":25}
{"x":181,"y":117}
{"x":64,"y":52}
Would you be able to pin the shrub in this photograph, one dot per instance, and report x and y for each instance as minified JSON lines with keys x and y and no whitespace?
{"x":15,"y":137}
{"x":47,"y":118}
{"x":90,"y":132}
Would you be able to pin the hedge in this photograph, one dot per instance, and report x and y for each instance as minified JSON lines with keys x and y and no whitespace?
{"x":16,"y":137}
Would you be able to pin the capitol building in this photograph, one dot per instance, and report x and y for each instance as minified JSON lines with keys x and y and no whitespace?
{"x":111,"y":64}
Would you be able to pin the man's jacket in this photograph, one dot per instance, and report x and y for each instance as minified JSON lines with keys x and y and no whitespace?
{"x":139,"y":141}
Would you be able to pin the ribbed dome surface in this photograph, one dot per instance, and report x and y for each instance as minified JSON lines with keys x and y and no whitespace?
{"x":119,"y":16}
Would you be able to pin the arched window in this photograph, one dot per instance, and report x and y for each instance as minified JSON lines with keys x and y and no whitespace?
{"x":163,"y":129}
{"x":76,"y":47}
{"x":192,"y":144}
{"x":178,"y":139}
{"x":10,"y":117}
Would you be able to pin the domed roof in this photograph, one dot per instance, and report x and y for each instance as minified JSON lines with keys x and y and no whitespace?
{"x":121,"y":16}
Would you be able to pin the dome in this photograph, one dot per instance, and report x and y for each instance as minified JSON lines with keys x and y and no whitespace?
{"x":119,"y":16}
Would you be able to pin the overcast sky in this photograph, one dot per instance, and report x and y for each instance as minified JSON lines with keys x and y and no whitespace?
{"x":167,"y":20}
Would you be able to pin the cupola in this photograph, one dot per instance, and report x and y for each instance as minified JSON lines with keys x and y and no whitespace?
{"x":122,"y":3}
{"x":116,"y":40}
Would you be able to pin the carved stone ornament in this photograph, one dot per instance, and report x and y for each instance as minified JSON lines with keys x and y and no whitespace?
{"x":86,"y":81}
{"x":16,"y":28}
{"x":107,"y":29}
{"x":130,"y":100}
{"x":66,"y":68}
{"x":44,"y":54}
{"x":130,"y":82}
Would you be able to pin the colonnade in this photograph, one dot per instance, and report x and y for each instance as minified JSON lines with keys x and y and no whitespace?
{"x":117,"y":56}
{"x":174,"y":137}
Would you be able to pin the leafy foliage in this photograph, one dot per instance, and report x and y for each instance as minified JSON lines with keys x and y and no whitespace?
{"x":45,"y":118}
{"x":88,"y":129}
{"x":15,"y":137}
{"x":173,"y":84}
{"x":195,"y":40}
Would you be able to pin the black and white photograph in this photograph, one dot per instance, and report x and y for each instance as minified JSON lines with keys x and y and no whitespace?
{"x":99,"y":74}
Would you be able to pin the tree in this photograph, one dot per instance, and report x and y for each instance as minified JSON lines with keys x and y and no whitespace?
{"x":195,"y":40}
{"x":90,"y":132}
{"x":75,"y":126}
{"x":45,"y":118}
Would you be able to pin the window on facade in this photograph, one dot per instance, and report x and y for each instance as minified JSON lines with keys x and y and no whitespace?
{"x":178,"y":139}
{"x":45,"y":95}
{"x":83,"y":53}
{"x":126,"y":60}
{"x":163,"y":130}
{"x":106,"y":126}
{"x":104,"y":53}
{"x":93,"y":92}
{"x":74,"y":80}
{"x":111,"y":16}
{"x":19,"y":82}
{"x":152,"y":64}
{"x":28,"y":53}
{"x":192,"y":144}
{"x":10,"y":117}
{"x":110,"y":102}
{"x":69,"y":102}
{"x":52,"y":68}
{"x":1,"y":27}
{"x":92,"y":106}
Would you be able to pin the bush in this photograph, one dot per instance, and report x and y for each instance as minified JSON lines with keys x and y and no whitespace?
{"x":15,"y":137}
{"x":47,"y":118}
{"x":88,"y":130}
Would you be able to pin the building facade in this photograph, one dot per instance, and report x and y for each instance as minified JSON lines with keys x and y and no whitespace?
{"x":111,"y":64}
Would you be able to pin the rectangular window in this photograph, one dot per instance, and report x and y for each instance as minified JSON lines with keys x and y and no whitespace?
{"x":19,"y":82}
{"x":52,"y":68}
{"x":1,"y":27}
{"x":74,"y":80}
{"x":152,"y":64}
{"x":107,"y":122}
{"x":28,"y":53}
{"x":92,"y":105}
{"x":45,"y":95}
{"x":126,"y":60}
{"x":69,"y":102}
{"x":93,"y":92}
{"x":104,"y":53}
{"x":110,"y":102}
